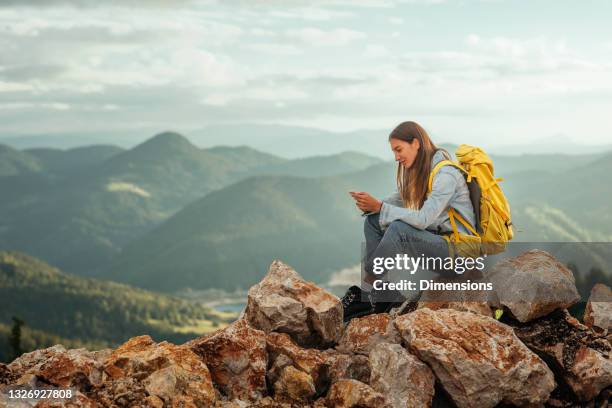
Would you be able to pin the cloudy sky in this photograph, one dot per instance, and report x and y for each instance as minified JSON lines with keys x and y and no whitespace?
{"x":509,"y":71}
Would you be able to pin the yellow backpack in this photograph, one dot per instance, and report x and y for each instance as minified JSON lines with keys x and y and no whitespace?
{"x":491,"y":208}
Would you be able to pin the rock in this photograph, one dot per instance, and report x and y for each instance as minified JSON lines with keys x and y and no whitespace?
{"x":268,"y":402}
{"x":404,"y":379}
{"x":294,"y":385}
{"x":352,"y":393}
{"x":598,"y":312}
{"x":347,"y":366}
{"x":533,"y":285}
{"x":140,"y":368}
{"x":6,"y":374}
{"x":310,"y":361}
{"x":236,"y":356}
{"x":576,"y":353}
{"x":284,"y":302}
{"x":57,"y":366}
{"x":478,"y":360}
{"x":464,"y":300}
{"x":77,"y":401}
{"x":277,"y":368}
{"x":474,"y":307}
{"x":153,"y":402}
{"x":364,"y":333}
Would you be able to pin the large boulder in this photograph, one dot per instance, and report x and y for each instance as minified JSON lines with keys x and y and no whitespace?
{"x":598,"y":312}
{"x":478,"y":361}
{"x":237,"y":358}
{"x":138,"y":372}
{"x":284,"y":302}
{"x":60,"y":367}
{"x":355,"y":394}
{"x":404,"y":379}
{"x":364,"y":333}
{"x":533,"y":285}
{"x":580,"y":356}
{"x":55,"y":366}
{"x":141,"y":368}
{"x":475,"y":301}
{"x":283,"y":351}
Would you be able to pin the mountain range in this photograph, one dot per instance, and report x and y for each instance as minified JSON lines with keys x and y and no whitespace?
{"x":297,"y":141}
{"x":79,"y":214}
{"x":167,"y":215}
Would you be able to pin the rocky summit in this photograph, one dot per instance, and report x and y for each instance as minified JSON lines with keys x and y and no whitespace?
{"x":290,"y":349}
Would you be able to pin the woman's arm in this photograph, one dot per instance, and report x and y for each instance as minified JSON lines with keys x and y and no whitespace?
{"x":394,"y":199}
{"x":443,"y":188}
{"x":370,"y":205}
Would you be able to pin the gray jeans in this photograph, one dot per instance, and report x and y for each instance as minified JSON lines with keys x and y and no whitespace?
{"x":400,"y":238}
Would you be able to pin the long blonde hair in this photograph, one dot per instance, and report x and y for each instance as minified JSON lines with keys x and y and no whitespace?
{"x":412,"y":182}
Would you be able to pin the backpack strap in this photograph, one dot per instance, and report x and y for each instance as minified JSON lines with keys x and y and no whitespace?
{"x":437,"y":168}
{"x":452,"y":213}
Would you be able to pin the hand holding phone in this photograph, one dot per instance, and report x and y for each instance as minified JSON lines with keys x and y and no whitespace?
{"x":365,"y":202}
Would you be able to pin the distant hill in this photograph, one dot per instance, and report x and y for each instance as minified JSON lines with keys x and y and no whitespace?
{"x":581,"y":193}
{"x":14,"y":162}
{"x":79,"y":220}
{"x":87,"y":311}
{"x":228,"y":238}
{"x":321,"y":166}
{"x":75,"y":158}
{"x":542,"y":163}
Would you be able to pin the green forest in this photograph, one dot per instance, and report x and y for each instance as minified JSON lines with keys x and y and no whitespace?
{"x":57,"y":307}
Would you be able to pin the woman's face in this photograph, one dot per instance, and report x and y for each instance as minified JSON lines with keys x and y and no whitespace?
{"x":405,"y":152}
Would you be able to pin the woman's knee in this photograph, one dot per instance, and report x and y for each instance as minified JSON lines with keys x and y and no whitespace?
{"x":400,"y":227}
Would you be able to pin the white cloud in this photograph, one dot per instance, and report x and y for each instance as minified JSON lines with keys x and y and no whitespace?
{"x":310,"y":14}
{"x":307,"y":62}
{"x":275,"y":49}
{"x":276,"y":93}
{"x":337,"y":37}
{"x":376,"y":51}
{"x":58,"y":106}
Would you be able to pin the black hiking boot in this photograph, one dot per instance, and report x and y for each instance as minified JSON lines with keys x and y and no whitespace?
{"x":353,"y":305}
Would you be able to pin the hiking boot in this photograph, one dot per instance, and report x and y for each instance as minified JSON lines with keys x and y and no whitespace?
{"x":353,"y":305}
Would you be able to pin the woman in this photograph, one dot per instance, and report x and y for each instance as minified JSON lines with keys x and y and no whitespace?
{"x":410,"y":221}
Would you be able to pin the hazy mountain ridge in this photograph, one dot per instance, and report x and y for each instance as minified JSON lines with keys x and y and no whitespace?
{"x":80,"y":219}
{"x":321,"y":166}
{"x":296,"y":141}
{"x":14,"y":162}
{"x":78,"y":157}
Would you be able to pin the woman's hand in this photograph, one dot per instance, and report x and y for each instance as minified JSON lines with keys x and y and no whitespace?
{"x":365,"y":202}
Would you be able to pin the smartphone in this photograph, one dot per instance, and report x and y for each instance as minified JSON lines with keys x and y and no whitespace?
{"x":363,"y":214}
